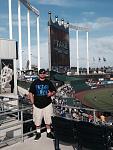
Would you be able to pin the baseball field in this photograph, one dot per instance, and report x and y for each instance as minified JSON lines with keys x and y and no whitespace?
{"x":100,"y":99}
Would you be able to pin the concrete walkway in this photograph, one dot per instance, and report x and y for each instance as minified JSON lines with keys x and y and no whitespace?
{"x":43,"y":143}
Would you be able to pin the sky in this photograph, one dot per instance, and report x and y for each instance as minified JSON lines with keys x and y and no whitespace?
{"x":97,"y":15}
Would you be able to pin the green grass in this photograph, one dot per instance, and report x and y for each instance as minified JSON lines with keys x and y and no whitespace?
{"x":100,"y":99}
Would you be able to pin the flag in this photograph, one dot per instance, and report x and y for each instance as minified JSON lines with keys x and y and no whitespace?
{"x":104,"y":59}
{"x":99,"y":59}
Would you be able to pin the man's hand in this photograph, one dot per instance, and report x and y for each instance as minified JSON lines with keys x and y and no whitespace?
{"x":31,"y":97}
{"x":51,"y":93}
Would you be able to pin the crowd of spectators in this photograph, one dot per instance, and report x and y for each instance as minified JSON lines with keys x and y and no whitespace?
{"x":65,"y":91}
{"x":75,"y":112}
{"x":62,"y":109}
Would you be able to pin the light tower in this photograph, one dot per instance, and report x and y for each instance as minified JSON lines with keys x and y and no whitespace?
{"x":78,"y":28}
{"x":20,"y":37}
{"x":27,"y":4}
{"x":11,"y":37}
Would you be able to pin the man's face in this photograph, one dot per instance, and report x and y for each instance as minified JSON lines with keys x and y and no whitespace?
{"x":42,"y":75}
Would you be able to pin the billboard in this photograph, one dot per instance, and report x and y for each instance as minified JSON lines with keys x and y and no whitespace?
{"x":8,"y":68}
{"x":59,"y":46}
{"x":7,"y":76}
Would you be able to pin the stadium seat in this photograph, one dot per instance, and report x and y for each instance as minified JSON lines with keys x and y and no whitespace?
{"x":64,"y":131}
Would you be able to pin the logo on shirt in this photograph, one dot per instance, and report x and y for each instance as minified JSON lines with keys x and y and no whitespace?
{"x":42,"y":90}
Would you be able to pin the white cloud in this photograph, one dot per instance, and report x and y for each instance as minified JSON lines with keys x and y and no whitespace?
{"x":103,"y":22}
{"x":56,"y":2}
{"x":88,"y":13}
{"x":98,"y":47}
{"x":102,"y":47}
{"x":103,"y":25}
{"x":99,"y":23}
{"x":104,"y":43}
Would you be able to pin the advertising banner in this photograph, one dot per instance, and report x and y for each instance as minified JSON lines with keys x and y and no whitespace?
{"x":6,"y":76}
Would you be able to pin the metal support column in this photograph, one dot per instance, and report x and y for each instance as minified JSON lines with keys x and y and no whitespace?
{"x":29,"y":38}
{"x":38,"y":42}
{"x":77,"y":52}
{"x":87,"y":52}
{"x":20,"y":36}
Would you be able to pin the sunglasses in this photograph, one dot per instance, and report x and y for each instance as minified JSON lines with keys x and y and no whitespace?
{"x":42,"y":73}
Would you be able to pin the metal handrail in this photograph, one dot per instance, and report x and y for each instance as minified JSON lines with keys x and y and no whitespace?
{"x":78,"y":108}
{"x":21,"y":122}
{"x":19,"y":110}
{"x":83,"y":108}
{"x":11,"y":98}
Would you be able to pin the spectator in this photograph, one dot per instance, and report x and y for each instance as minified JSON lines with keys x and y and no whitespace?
{"x":40,"y":93}
{"x":102,"y":118}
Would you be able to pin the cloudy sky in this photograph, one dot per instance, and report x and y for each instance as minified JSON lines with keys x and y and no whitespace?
{"x":95,"y":14}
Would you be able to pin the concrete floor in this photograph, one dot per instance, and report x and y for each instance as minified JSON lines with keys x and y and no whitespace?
{"x":43,"y":143}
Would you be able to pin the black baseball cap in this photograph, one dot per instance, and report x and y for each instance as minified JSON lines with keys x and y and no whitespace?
{"x":42,"y":71}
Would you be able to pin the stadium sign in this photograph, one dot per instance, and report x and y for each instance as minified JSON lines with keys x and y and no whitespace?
{"x":59,"y":52}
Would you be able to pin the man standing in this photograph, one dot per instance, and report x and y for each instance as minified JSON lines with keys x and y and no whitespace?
{"x":40,"y":93}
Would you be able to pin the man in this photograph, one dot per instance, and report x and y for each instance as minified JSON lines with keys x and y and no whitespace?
{"x":40,"y":93}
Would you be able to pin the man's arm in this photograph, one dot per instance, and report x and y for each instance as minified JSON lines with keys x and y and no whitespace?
{"x":31,"y":97}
